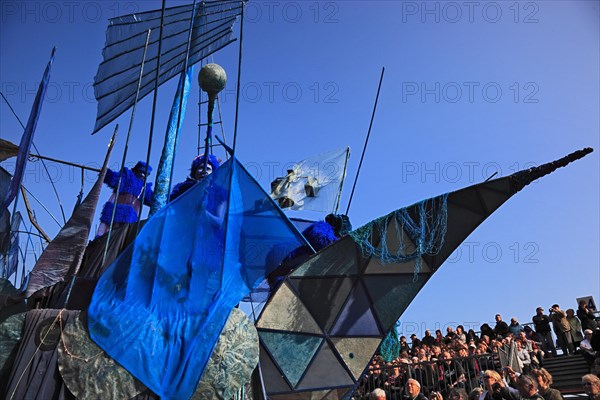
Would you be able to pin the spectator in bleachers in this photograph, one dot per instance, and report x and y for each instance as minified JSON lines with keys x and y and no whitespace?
{"x":527,"y":389}
{"x":586,"y":316}
{"x":562,"y":329}
{"x":515,"y":327}
{"x":428,"y":339}
{"x":591,"y":386}
{"x":487,"y":331}
{"x":413,"y":390}
{"x":403,"y":345}
{"x":576,"y":334}
{"x":523,"y":357}
{"x":452,"y":372}
{"x":493,"y":383}
{"x":475,"y":393}
{"x":501,"y":327}
{"x":458,"y":394}
{"x":439,"y":338}
{"x":460,"y":334}
{"x":450,"y":335}
{"x":377,"y":394}
{"x":542,"y":327}
{"x":472,"y":336}
{"x":544,"y":380}
{"x":532,"y":348}
{"x":415,"y":344}
{"x":587,"y":350}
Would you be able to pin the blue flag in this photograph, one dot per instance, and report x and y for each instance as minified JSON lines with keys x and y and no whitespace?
{"x":27,"y":137}
{"x":159,"y":308}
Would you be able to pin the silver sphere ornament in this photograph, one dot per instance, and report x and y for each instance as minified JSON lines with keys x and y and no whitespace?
{"x":212,"y":79}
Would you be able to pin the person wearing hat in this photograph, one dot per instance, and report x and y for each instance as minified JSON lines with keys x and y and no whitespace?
{"x":562,"y":329}
{"x":197,"y":173}
{"x":542,"y":328}
{"x":126,"y":204}
{"x":415,"y":343}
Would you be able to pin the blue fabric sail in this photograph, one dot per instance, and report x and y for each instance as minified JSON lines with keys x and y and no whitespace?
{"x":163,"y":176}
{"x":27,"y":137}
{"x":160,"y":307}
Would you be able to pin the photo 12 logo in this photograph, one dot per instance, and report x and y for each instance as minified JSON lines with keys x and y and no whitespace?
{"x":292,"y":12}
{"x":69,"y":12}
{"x":453,"y":12}
{"x":287,"y":92}
{"x":494,"y":252}
{"x":470,"y":92}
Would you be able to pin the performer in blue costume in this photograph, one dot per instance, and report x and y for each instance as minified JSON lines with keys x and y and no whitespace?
{"x":196,"y":173}
{"x":128,"y":200}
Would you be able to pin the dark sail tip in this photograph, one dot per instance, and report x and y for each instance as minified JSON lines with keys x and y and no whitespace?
{"x":525,"y":177}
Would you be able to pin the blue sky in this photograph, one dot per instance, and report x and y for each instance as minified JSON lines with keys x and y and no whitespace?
{"x":469,"y":90}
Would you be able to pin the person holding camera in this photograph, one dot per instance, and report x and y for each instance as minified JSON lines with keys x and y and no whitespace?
{"x":562,"y":329}
{"x":542,"y":328}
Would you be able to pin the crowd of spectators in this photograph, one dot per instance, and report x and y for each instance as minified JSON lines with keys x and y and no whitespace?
{"x":459,"y":359}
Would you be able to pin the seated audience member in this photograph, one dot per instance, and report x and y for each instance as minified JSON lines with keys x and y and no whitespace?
{"x":587,"y":350}
{"x":428,"y":339}
{"x":460,"y":334}
{"x":527,"y":389}
{"x":413,"y":390}
{"x":487,"y":330}
{"x":494,"y":385}
{"x":544,"y":380}
{"x":515,"y":327}
{"x":377,"y":394}
{"x":591,"y":386}
{"x":532,"y":348}
{"x":475,"y":393}
{"x":501,"y":328}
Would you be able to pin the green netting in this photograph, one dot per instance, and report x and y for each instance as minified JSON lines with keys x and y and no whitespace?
{"x":406,"y":234}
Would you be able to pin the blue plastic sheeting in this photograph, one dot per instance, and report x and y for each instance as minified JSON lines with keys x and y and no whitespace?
{"x":160,"y":307}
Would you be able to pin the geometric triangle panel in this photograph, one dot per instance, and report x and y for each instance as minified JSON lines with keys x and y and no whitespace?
{"x":356,"y":317}
{"x":325,"y":371}
{"x":313,"y":395}
{"x":292,"y":352}
{"x":323,"y":297}
{"x":342,"y":258}
{"x":356,"y":352}
{"x":286,"y":312}
{"x":274,"y":380}
{"x":392,"y":294}
{"x":375,"y":266}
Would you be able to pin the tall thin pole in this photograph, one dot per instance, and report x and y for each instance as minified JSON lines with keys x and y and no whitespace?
{"x":137,"y":93}
{"x":366,"y":141}
{"x":185,"y":67}
{"x":154,"y":100}
{"x":239,"y":77}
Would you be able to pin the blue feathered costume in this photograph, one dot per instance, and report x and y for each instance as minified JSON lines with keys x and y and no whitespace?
{"x":197,"y":166}
{"x":320,"y":234}
{"x":128,"y":199}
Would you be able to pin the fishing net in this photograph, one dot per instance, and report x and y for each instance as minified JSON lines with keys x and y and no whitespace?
{"x":406,"y":234}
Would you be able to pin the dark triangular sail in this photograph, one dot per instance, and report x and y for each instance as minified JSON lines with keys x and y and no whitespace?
{"x":365,"y":281}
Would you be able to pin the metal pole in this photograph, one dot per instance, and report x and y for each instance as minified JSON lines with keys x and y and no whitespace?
{"x":366,"y":141}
